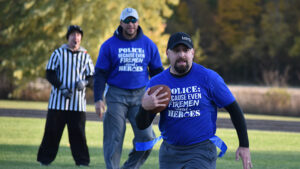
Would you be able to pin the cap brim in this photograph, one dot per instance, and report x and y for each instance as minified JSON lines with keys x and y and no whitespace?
{"x":181,"y":42}
{"x":131,"y":17}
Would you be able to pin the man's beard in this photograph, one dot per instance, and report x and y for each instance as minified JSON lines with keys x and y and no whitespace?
{"x":129,"y":34}
{"x":181,"y":69}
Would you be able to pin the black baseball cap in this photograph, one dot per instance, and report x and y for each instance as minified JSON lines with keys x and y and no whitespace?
{"x":180,"y":38}
{"x":73,"y":28}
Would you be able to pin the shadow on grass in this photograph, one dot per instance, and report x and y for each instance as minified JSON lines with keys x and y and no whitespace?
{"x":24,"y":157}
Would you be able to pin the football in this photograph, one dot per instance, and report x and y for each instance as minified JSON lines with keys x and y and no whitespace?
{"x":164,"y":89}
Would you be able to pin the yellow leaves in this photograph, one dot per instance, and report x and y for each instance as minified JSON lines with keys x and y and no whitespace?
{"x":77,"y":20}
{"x":28,"y":5}
{"x":236,"y":19}
{"x":33,"y":29}
{"x":18,"y":74}
{"x":4,"y":63}
{"x":199,"y":56}
{"x":43,"y":12}
{"x":173,"y":2}
{"x":113,"y":5}
{"x":8,"y":33}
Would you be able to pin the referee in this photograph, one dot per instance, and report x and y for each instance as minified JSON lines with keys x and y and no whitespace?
{"x":69,"y":70}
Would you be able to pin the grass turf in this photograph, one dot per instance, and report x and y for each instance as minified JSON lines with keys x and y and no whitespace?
{"x":20,"y":139}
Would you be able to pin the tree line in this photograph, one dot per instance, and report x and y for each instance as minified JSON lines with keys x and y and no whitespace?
{"x":247,"y":42}
{"x":31,"y":30}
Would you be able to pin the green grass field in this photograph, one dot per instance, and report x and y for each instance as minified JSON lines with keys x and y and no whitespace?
{"x":20,"y":139}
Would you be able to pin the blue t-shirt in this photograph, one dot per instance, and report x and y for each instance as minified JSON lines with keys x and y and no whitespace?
{"x":127,"y":61}
{"x":192,"y":111}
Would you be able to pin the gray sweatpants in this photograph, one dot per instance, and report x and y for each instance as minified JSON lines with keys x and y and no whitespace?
{"x":198,"y":156}
{"x":121,"y":105}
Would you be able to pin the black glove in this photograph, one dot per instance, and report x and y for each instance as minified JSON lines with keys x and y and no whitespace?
{"x":80,"y":85}
{"x":66,"y":92}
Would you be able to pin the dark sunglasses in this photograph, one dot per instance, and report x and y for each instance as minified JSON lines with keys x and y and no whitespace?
{"x":132,"y":20}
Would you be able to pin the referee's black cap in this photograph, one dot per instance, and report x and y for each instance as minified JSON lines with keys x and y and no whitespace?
{"x":73,"y":28}
{"x":180,"y":38}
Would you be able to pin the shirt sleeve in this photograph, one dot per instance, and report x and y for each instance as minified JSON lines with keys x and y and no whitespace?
{"x":144,"y":118}
{"x":52,"y":78}
{"x":100,"y":78}
{"x":53,"y":61}
{"x":239,"y":122}
{"x":89,"y":66}
{"x":221,"y":94}
{"x":155,"y":61}
{"x":103,"y":61}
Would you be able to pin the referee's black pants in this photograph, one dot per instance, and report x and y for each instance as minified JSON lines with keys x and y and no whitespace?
{"x":55,"y":124}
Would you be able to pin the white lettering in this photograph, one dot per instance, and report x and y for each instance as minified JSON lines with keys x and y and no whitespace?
{"x":190,"y":89}
{"x":194,"y":96}
{"x":182,"y":114}
{"x":178,"y":97}
{"x":184,"y":103}
{"x":186,"y":38}
{"x":131,"y":68}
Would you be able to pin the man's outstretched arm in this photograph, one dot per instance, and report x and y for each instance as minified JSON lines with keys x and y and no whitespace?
{"x":239,"y":122}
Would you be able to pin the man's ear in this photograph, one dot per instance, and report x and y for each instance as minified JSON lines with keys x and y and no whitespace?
{"x":167,"y":53}
{"x":193,"y":53}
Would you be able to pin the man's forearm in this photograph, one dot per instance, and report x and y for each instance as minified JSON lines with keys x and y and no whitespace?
{"x":52,"y":78}
{"x":156,"y":71}
{"x":99,"y":84}
{"x":239,"y":123}
{"x":144,"y":118}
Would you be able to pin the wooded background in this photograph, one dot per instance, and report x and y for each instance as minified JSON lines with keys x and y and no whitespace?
{"x":254,"y":42}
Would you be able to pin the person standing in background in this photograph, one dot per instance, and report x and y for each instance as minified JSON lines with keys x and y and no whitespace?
{"x":125,"y":62}
{"x":69,"y":70}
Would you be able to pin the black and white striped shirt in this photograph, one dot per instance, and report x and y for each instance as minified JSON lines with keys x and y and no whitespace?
{"x":70,"y":67}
